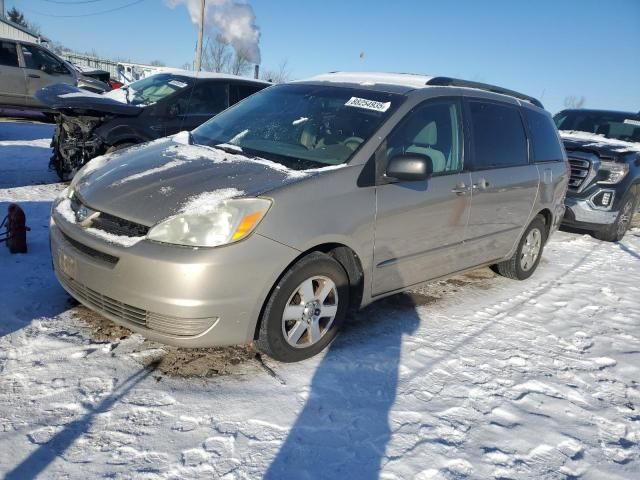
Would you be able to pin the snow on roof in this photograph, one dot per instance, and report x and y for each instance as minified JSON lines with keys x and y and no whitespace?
{"x":372,"y":78}
{"x":209,"y":75}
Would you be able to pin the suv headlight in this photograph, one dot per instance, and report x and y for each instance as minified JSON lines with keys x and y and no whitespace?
{"x":230,"y":221}
{"x":614,"y":172}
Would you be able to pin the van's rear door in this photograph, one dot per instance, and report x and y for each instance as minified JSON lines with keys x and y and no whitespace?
{"x":504,"y":182}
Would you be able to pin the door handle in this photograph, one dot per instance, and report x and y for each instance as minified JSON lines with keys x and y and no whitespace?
{"x":460,"y":189}
{"x":33,"y":75}
{"x":481,"y":185}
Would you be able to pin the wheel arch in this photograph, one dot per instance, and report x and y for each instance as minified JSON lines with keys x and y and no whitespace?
{"x":547,"y":216}
{"x":346,"y":257}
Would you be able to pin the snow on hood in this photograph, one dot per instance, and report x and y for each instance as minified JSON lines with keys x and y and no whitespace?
{"x":147,"y":184}
{"x":599,"y":141}
{"x":208,"y":202}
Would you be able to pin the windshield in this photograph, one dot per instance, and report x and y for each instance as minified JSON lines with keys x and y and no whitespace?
{"x":151,"y":89}
{"x":300,"y":124}
{"x":615,"y":125}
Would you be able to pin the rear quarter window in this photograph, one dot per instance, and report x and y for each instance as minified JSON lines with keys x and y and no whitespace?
{"x":544,"y":137}
{"x":499,"y":138}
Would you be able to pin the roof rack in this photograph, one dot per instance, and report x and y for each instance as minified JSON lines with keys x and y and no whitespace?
{"x":455,"y":82}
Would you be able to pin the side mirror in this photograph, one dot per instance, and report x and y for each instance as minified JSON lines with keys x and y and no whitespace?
{"x":411,"y":167}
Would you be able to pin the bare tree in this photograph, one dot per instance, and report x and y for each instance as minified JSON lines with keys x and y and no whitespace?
{"x":217,"y":55}
{"x":240,"y":64}
{"x":158,"y":63}
{"x":572,"y":101}
{"x":281,"y":74}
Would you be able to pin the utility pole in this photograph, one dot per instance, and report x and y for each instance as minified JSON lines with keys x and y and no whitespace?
{"x":200,"y":34}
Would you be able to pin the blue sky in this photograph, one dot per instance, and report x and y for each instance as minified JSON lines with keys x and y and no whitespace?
{"x":545,"y":48}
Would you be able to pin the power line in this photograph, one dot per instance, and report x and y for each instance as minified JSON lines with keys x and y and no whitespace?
{"x":72,"y":2}
{"x":85,"y":14}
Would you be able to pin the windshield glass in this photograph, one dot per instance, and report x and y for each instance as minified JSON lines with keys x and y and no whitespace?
{"x":300,"y":124}
{"x":151,"y":89}
{"x":615,"y":125}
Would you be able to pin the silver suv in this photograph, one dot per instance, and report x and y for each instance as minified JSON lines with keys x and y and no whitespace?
{"x":274,"y":218}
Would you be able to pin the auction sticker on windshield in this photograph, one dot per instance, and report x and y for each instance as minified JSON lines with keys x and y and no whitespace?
{"x":368,"y":104}
{"x":177,"y":83}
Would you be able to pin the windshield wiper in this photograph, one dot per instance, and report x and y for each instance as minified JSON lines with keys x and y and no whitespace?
{"x":227,"y":147}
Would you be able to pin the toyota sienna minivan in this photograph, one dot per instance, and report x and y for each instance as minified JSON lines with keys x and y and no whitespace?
{"x":272,"y":220}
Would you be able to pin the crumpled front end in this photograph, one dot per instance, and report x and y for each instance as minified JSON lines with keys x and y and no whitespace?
{"x":75,"y":143}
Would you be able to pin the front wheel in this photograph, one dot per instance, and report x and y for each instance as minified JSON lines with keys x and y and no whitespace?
{"x":305,"y":309}
{"x":527,"y":256}
{"x":619,"y":228}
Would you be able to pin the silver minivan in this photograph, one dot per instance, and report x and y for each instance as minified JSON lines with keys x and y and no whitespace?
{"x":26,"y":67}
{"x":272,"y":220}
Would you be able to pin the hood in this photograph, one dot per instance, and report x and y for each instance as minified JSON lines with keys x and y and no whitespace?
{"x":599,"y":144}
{"x":67,"y":97}
{"x":150,"y":182}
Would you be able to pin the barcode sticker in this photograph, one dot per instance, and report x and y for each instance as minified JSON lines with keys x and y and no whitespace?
{"x":368,"y":104}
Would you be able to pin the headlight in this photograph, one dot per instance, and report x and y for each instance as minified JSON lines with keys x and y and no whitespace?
{"x":229,"y":222}
{"x":614,"y":172}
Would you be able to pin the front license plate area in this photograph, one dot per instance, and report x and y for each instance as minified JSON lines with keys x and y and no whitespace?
{"x":67,"y":264}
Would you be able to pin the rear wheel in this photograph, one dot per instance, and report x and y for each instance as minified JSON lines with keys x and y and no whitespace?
{"x":305,"y":309}
{"x":619,"y":228}
{"x":527,"y":256}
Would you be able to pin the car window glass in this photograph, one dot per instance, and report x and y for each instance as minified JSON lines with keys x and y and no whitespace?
{"x":240,"y":92}
{"x":36,"y":58}
{"x":8,"y":54}
{"x":546,"y":145}
{"x":431,"y":129}
{"x":499,"y":138}
{"x":208,"y":98}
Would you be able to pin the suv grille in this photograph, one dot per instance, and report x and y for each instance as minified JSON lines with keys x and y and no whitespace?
{"x":580,"y":169}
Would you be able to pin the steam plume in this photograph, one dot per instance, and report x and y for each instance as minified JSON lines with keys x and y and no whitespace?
{"x":232,"y":20}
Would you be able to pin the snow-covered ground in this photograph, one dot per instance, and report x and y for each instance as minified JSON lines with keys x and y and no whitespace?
{"x":474,"y":377}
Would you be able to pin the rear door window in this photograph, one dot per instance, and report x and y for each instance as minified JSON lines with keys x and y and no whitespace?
{"x":8,"y":54}
{"x":544,"y":137}
{"x":499,"y":138}
{"x":239,"y":92}
{"x":208,"y":98}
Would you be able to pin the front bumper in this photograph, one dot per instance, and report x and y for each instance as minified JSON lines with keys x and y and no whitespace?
{"x":580,"y":213}
{"x":178,"y":296}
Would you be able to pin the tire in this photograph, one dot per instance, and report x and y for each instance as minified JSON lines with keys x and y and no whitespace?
{"x":525,"y":261}
{"x":617,"y":230}
{"x":119,"y":146}
{"x":320,"y":272}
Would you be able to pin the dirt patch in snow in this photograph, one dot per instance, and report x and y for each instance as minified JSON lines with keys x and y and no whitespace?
{"x":99,"y":328}
{"x":200,"y":362}
{"x":172,"y":361}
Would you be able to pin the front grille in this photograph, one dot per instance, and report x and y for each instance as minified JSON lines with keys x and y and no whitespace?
{"x":119,"y":226}
{"x":182,"y":327}
{"x":112,"y":224}
{"x":104,"y":257}
{"x":580,"y":169}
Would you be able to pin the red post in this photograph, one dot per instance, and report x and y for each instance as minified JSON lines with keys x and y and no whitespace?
{"x":16,"y":230}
